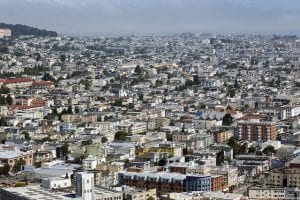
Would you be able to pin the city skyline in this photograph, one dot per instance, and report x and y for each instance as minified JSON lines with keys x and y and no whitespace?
{"x":116,"y":17}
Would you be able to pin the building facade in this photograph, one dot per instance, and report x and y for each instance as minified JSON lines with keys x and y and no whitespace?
{"x":254,"y":128}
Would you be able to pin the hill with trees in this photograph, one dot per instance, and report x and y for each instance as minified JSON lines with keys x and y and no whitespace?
{"x":19,"y":29}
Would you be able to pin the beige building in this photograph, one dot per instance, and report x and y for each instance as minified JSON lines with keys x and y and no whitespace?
{"x":138,"y":194}
{"x":11,"y":155}
{"x":266,"y":193}
{"x":70,"y":118}
{"x":229,"y":173}
{"x":183,"y":137}
{"x":286,"y":177}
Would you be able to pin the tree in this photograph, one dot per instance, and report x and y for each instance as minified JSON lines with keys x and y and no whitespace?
{"x":2,"y":100}
{"x":138,"y":69}
{"x":236,"y":147}
{"x":4,"y":90}
{"x":63,"y":57}
{"x":162,"y":162}
{"x":65,"y":148}
{"x":227,"y":120}
{"x":5,"y":169}
{"x":220,"y":158}
{"x":87,"y":142}
{"x":150,"y":198}
{"x":104,"y":139}
{"x":278,"y":81}
{"x":120,"y":135}
{"x":48,"y":77}
{"x":70,"y":110}
{"x":19,"y":164}
{"x":269,"y":150}
{"x":236,"y":84}
{"x":252,"y":150}
{"x":9,"y":100}
{"x":26,"y":135}
{"x":141,"y":96}
{"x":231,"y":92}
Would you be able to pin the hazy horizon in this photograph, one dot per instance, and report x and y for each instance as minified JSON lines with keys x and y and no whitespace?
{"x":155,"y":17}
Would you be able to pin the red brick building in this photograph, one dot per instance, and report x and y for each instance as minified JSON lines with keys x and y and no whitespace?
{"x":256,"y":128}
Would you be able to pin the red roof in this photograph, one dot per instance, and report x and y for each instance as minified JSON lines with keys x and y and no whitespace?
{"x":42,"y":83}
{"x":249,"y":117}
{"x":16,"y":80}
{"x":20,"y":107}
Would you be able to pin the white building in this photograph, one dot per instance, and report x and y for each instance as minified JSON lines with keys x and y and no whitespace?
{"x":85,"y":185}
{"x":272,"y":193}
{"x":89,"y":163}
{"x":56,"y":183}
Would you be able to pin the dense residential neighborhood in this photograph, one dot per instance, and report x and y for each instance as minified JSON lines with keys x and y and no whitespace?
{"x":185,"y":116}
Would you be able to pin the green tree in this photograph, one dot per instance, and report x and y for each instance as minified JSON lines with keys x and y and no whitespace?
{"x":6,"y":169}
{"x":236,"y":147}
{"x":87,"y":142}
{"x":26,"y":135}
{"x":48,"y":77}
{"x":162,"y":162}
{"x":65,"y":148}
{"x":138,"y":69}
{"x":9,"y":100}
{"x":269,"y":150}
{"x":104,"y":139}
{"x":121,"y":135}
{"x":150,"y":198}
{"x":4,"y":90}
{"x":70,"y":110}
{"x":231,"y":92}
{"x":252,"y":150}
{"x":236,"y":84}
{"x":19,"y":164}
{"x":141,"y":96}
{"x":220,"y":158}
{"x":227,"y":120}
{"x":63,"y":57}
{"x":2,"y":100}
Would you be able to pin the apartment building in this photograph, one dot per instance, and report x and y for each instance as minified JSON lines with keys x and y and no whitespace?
{"x":14,"y":83}
{"x":166,"y":182}
{"x":11,"y":155}
{"x":263,"y":193}
{"x":256,"y":128}
{"x":229,"y":176}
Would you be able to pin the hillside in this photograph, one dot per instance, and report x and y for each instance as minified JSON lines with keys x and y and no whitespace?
{"x":19,"y":29}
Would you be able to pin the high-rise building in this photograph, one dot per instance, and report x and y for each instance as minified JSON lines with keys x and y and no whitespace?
{"x":256,"y":128}
{"x":85,"y":185}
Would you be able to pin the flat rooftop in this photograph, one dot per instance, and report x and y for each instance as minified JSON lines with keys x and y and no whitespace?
{"x":35,"y":192}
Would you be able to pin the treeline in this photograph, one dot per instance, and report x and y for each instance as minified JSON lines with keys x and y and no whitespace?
{"x":19,"y":29}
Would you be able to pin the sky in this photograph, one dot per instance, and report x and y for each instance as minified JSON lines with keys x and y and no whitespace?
{"x":158,"y":17}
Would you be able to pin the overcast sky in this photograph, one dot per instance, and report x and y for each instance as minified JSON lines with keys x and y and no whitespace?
{"x":118,"y":17}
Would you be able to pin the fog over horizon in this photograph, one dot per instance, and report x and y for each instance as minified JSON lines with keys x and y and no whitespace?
{"x":148,"y":17}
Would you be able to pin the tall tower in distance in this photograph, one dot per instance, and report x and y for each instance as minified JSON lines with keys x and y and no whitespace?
{"x":85,"y":185}
{"x":297,"y":45}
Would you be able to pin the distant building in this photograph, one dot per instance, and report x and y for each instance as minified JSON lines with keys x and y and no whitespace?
{"x":272,"y":193}
{"x":14,"y":83}
{"x":85,"y":185}
{"x":166,"y":182}
{"x":10,"y":155}
{"x":255,"y":128}
{"x":5,"y":32}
